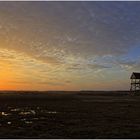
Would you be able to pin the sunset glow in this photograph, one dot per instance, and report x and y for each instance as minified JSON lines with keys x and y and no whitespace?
{"x":68,"y":45}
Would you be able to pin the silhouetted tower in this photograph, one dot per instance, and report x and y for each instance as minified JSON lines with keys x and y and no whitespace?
{"x":135,"y":82}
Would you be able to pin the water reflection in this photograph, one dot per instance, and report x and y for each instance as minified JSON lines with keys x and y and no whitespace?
{"x":30,"y":112}
{"x":15,"y":110}
{"x":51,"y":112}
{"x":9,"y":123}
{"x":24,"y":119}
{"x":26,"y":115}
{"x":5,"y":114}
{"x":28,"y":122}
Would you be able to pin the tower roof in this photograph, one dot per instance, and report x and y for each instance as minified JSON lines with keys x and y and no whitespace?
{"x":135,"y":75}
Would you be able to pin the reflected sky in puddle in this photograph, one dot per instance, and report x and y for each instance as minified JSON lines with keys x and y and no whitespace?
{"x":24,"y":113}
{"x":4,"y":113}
{"x":27,"y":115}
{"x":30,"y":112}
{"x":24,"y":119}
{"x":51,"y":112}
{"x":15,"y":109}
{"x":28,"y":122}
{"x":9,"y":123}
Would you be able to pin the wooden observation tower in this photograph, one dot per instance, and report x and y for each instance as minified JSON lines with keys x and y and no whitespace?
{"x":135,"y":82}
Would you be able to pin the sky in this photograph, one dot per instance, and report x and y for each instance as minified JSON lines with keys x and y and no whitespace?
{"x":51,"y":45}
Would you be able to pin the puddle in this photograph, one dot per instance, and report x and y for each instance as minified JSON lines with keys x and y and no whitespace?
{"x":30,"y":112}
{"x":25,"y":113}
{"x":15,"y":110}
{"x":51,"y":112}
{"x":9,"y":123}
{"x":33,"y":112}
{"x":5,"y":114}
{"x":23,"y":119}
{"x":28,"y":122}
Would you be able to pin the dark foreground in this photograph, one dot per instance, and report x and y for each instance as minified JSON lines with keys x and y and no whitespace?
{"x":69,"y":115}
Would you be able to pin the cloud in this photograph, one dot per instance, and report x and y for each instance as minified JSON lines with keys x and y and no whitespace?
{"x":84,"y":29}
{"x":130,"y":65}
{"x":97,"y":66}
{"x":84,"y":67}
{"x":51,"y":83}
{"x":68,"y":81}
{"x":50,"y":60}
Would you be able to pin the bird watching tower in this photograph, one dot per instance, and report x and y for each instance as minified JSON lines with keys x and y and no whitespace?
{"x":135,"y":82}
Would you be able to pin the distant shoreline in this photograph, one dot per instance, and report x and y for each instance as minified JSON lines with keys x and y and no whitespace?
{"x":64,"y":90}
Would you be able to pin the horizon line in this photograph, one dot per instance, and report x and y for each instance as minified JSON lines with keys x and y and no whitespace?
{"x":59,"y":90}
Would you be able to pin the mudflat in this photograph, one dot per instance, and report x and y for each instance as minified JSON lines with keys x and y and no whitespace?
{"x":75,"y":114}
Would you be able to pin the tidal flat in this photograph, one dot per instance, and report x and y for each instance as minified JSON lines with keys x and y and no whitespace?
{"x":72,"y":114}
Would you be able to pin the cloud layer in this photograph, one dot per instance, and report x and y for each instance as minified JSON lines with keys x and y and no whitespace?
{"x":50,"y":43}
